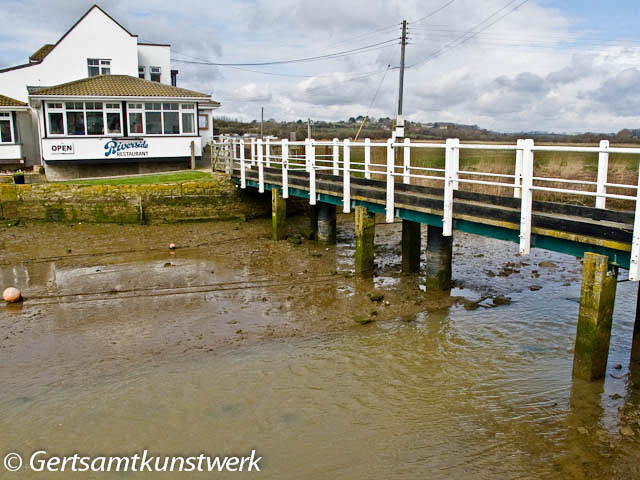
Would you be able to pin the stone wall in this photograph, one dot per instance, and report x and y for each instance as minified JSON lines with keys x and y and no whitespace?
{"x":217,"y":199}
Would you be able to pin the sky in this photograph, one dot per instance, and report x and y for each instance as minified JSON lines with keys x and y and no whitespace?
{"x":520,"y":65}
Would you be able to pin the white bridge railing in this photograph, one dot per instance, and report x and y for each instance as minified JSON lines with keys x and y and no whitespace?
{"x":278,"y":154}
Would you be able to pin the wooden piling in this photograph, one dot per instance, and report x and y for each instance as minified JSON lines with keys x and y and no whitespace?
{"x":278,"y":215}
{"x":439,"y":254}
{"x":326,"y":223}
{"x":411,"y":242}
{"x":597,"y":299}
{"x":365,"y":229}
{"x":635,"y":343}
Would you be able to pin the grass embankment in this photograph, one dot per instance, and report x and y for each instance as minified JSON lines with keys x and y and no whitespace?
{"x":174,"y":177}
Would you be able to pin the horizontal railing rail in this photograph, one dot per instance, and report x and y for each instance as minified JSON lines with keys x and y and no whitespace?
{"x":242,"y":154}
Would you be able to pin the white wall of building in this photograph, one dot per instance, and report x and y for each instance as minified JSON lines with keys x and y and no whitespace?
{"x":155,"y":56}
{"x":96,"y":36}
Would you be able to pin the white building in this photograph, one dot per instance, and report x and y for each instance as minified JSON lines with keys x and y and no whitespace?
{"x":95,"y":45}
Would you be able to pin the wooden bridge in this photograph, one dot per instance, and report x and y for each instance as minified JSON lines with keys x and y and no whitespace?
{"x":609,"y":239}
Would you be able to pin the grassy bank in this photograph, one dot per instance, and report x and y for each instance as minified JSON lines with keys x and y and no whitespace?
{"x":174,"y":177}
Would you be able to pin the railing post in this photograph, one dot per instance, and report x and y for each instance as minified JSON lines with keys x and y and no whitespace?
{"x":307,"y":143}
{"x":634,"y":267}
{"x":406,"y":170}
{"x":253,"y":152}
{"x":346,"y":176}
{"x":455,"y":143}
{"x":336,"y":157}
{"x":517,"y":180}
{"x":260,"y":167}
{"x":391,"y":163}
{"x":367,"y":158}
{"x":449,"y":178}
{"x":526,"y":202}
{"x":285,"y":168}
{"x":268,"y":153}
{"x":243,"y":172}
{"x":311,"y":162}
{"x":603,"y":168}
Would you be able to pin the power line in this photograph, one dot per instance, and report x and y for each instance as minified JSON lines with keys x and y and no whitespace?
{"x":470,"y":34}
{"x":429,"y":15}
{"x":341,"y":54}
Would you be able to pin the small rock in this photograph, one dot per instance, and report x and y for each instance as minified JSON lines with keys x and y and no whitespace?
{"x":168,"y":264}
{"x":469,"y":305}
{"x":172,"y":246}
{"x":12,"y":295}
{"x":583,"y":430}
{"x":362,"y":320}
{"x":615,"y":396}
{"x":500,"y":300}
{"x":626,"y":431}
{"x":376,"y":296}
{"x":547,"y":264}
{"x":387,"y":303}
{"x":535,"y":288}
{"x":295,"y":239}
{"x":618,"y":367}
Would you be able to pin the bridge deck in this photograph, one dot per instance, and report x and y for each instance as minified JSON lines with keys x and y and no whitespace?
{"x":565,"y":228}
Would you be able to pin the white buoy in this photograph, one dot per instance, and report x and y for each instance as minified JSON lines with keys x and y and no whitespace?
{"x":11,"y":295}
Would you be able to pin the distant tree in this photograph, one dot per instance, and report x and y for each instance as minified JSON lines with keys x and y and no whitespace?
{"x":352,"y":120}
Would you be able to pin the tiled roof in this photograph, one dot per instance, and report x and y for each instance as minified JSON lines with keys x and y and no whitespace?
{"x":10,"y":102}
{"x":42,"y":52}
{"x":118,"y":86}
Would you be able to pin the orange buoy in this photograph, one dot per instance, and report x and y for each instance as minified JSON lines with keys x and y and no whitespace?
{"x":11,"y":295}
{"x":172,"y":246}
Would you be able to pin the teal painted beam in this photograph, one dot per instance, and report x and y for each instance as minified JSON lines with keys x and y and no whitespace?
{"x":569,"y":247}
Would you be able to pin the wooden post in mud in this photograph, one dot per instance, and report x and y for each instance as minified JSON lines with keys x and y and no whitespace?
{"x":410,"y":246}
{"x":597,"y":298}
{"x":635,"y":343}
{"x":313,"y":222}
{"x":439,"y":250}
{"x":365,"y":229}
{"x":326,"y":231}
{"x":278,"y":215}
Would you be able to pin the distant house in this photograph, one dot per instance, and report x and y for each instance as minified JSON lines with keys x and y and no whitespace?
{"x":97,"y":46}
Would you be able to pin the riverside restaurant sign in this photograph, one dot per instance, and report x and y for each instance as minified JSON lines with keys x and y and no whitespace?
{"x":139,"y":148}
{"x":123,"y":149}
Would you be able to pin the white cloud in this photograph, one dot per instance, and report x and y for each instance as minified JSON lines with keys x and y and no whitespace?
{"x":517,"y":75}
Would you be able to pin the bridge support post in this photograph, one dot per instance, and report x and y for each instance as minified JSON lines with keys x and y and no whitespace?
{"x":326,"y":223}
{"x":411,"y":240}
{"x":635,"y":344}
{"x":597,"y":298}
{"x":313,"y":222}
{"x":278,"y":215}
{"x":365,"y":230}
{"x":439,"y":255}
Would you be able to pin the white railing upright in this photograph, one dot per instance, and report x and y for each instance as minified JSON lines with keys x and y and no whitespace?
{"x":285,"y":168}
{"x":391,"y":167}
{"x":346,"y":170}
{"x":526,"y":200}
{"x":260,"y":166}
{"x":603,"y":169}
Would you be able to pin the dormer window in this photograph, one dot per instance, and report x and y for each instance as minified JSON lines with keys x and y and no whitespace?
{"x":154,"y":74}
{"x":98,"y":66}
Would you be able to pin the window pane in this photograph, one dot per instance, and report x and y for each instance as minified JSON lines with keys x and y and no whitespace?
{"x":93,"y":71}
{"x":113,"y":123}
{"x":92,"y":61}
{"x":154,"y":122}
{"x":170,"y":106}
{"x":95,"y":123}
{"x":106,"y":71}
{"x":171,"y":123}
{"x":55,"y":124}
{"x":187,"y":123}
{"x":75,"y":123}
{"x":154,"y":77}
{"x":5,"y":131}
{"x":135,"y":123}
{"x":153,"y":106}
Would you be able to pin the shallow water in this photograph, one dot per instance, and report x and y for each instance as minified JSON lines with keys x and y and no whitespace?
{"x":232,"y":349}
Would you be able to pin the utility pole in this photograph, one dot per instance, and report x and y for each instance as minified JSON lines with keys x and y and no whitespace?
{"x":399,"y":118}
{"x":261,"y":121}
{"x":308,"y":128}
